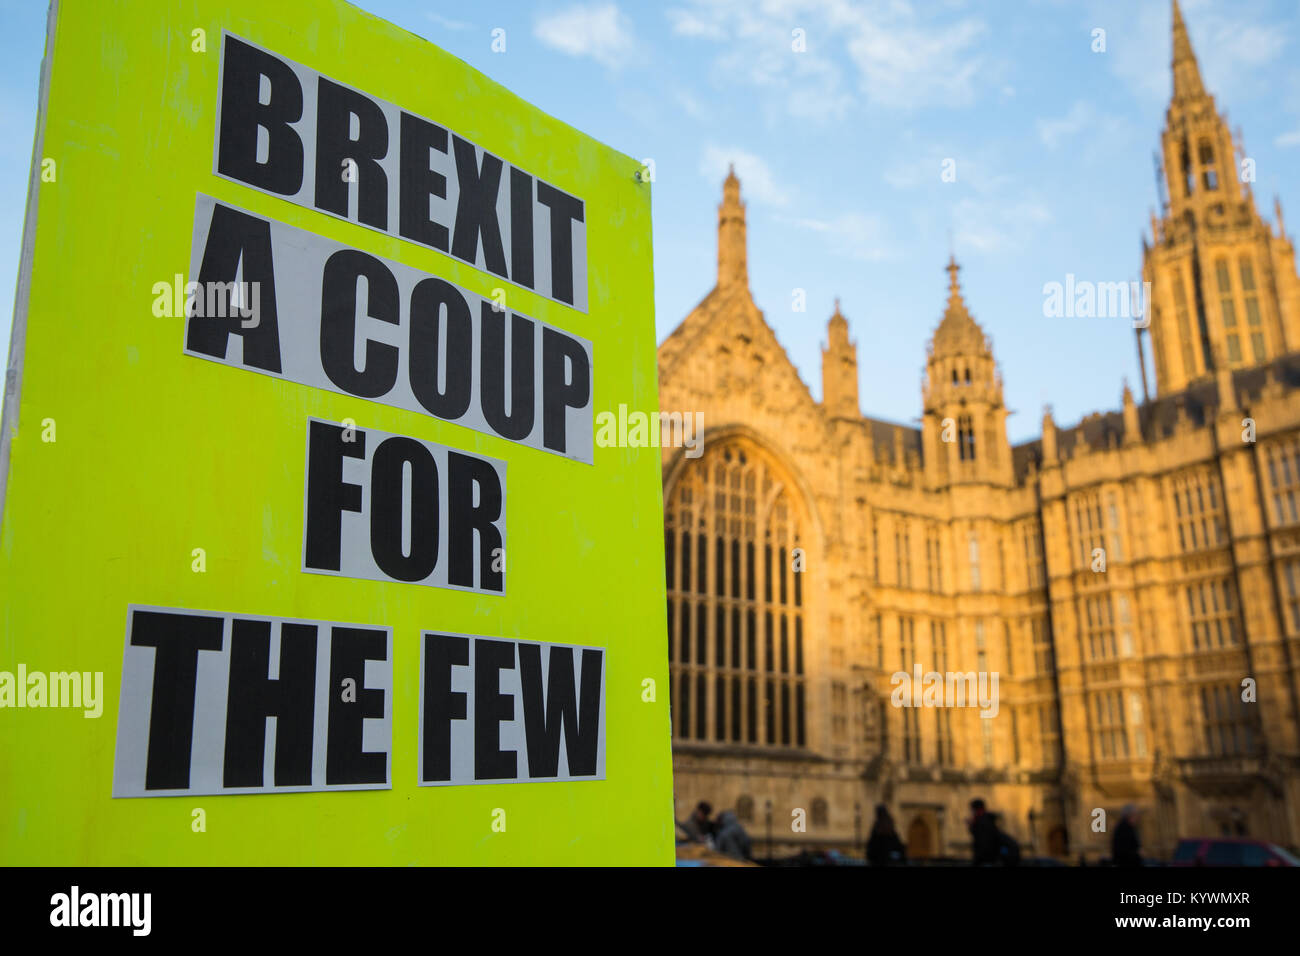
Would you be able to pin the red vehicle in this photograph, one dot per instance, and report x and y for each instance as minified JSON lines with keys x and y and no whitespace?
{"x":1230,"y":851}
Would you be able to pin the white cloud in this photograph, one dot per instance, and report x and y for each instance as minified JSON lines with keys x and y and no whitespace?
{"x":1288,"y":139}
{"x":1052,"y":131}
{"x":690,"y":105}
{"x":688,"y":24}
{"x":599,"y":31}
{"x":756,"y":179}
{"x":983,"y":170}
{"x":991,"y":226}
{"x":894,"y":57}
{"x":447,"y":23}
{"x":852,"y":235}
{"x":907,"y":65}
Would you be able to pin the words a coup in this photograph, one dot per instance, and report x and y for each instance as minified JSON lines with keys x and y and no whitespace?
{"x":341,"y":319}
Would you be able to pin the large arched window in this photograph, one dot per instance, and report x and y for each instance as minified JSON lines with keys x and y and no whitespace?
{"x":737,"y":588}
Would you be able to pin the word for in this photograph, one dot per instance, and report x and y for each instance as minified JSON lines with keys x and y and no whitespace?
{"x":287,"y":130}
{"x":75,"y":908}
{"x":1098,"y":300}
{"x":56,"y":689}
{"x":642,"y":430}
{"x":339,"y":319}
{"x":949,"y":689}
{"x":416,"y":512}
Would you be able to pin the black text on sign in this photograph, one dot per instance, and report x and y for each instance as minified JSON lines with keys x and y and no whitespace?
{"x":392,"y":508}
{"x":343,"y":320}
{"x":199,"y":690}
{"x":495,"y":710}
{"x":287,"y":130}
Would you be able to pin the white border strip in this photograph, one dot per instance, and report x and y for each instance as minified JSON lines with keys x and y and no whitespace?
{"x":18,"y":336}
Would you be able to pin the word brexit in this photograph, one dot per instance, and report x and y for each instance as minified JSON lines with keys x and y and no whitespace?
{"x":287,"y":130}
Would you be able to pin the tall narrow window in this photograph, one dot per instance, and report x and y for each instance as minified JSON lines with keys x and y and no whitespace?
{"x":911,"y":715}
{"x":1290,"y":571}
{"x":1198,"y":510}
{"x":1284,"y":479}
{"x":942,"y":715}
{"x":1099,"y":628}
{"x":974,"y":549}
{"x":736,"y":646}
{"x":965,"y":438}
{"x":1228,"y":309}
{"x":1184,"y":323}
{"x":1212,"y":614}
{"x":1034,"y":554}
{"x":1209,"y":175}
{"x":1111,"y":730}
{"x":1253,"y":320}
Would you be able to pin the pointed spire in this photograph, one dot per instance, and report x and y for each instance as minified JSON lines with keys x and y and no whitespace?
{"x":958,"y":333}
{"x":1277,"y":214}
{"x":840,"y":369}
{"x":1132,"y":425}
{"x":1187,"y":75}
{"x":837,"y":329}
{"x":1049,"y":437}
{"x":733,"y":269}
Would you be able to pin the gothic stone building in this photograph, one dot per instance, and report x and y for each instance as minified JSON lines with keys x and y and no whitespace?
{"x":813,"y":552}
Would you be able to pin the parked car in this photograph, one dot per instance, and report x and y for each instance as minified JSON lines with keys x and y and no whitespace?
{"x":1230,"y":851}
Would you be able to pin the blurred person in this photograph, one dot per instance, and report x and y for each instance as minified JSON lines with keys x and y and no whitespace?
{"x":698,"y":827}
{"x":730,"y":837}
{"x":1125,"y":847}
{"x":990,"y":845}
{"x":884,"y":847}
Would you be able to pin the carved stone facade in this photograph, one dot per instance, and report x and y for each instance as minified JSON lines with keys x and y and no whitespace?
{"x":1122,"y":577}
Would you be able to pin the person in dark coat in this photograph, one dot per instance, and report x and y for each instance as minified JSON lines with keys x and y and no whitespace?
{"x":730,"y":837}
{"x":698,"y":827}
{"x":985,"y":840}
{"x":1125,"y":847}
{"x":884,"y":847}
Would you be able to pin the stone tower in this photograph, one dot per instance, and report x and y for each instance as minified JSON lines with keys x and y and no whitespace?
{"x":1222,"y":282}
{"x":733,"y":269}
{"x":964,"y":430}
{"x":840,"y":369}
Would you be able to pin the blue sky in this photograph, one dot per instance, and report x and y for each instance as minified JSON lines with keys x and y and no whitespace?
{"x":840,"y":149}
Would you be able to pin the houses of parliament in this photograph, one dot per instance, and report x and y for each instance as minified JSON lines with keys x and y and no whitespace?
{"x":1133,"y":579}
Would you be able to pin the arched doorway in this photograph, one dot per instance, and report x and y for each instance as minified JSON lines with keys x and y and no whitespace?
{"x":1057,"y":844}
{"x":919,"y":842}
